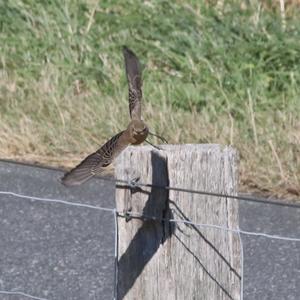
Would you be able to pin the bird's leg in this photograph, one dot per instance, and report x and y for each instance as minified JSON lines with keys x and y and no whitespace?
{"x":160,"y":137}
{"x":153,"y":145}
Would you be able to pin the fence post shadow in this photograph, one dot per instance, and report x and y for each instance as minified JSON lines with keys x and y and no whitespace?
{"x":193,"y":264}
{"x":152,"y":233}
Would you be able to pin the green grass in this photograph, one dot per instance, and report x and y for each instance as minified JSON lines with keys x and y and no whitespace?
{"x":208,"y":78}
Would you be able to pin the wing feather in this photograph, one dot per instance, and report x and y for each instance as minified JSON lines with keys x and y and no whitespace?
{"x":134,"y":78}
{"x":96,"y":162}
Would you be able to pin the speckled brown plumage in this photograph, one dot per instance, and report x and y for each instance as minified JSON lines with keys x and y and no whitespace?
{"x":136,"y":132}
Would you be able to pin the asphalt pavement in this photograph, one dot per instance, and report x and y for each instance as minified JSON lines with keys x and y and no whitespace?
{"x":61,"y":252}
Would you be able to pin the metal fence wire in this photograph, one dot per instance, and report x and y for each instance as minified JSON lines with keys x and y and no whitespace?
{"x":118,"y":214}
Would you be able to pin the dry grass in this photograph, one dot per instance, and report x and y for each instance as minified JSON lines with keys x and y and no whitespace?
{"x":62,"y":93}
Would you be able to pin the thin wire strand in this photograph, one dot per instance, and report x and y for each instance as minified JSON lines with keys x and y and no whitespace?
{"x":242,"y":266}
{"x":219,"y":227}
{"x":142,"y":216}
{"x":56,"y":201}
{"x":238,"y":231}
{"x":116,"y":255}
{"x":179,"y":189}
{"x":21,"y":294}
{"x":243,"y":198}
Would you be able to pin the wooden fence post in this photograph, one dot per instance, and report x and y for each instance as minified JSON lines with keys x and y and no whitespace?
{"x":173,"y":260}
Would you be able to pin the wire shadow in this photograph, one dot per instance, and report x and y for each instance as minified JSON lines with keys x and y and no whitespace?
{"x":151,"y":234}
{"x":205,"y":239}
{"x":203,"y":267}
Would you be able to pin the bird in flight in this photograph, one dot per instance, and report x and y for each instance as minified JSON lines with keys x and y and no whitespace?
{"x":135,"y":133}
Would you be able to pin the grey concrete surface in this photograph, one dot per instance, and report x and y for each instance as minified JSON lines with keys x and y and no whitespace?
{"x":59,"y":252}
{"x":271,"y":267}
{"x":55,"y":251}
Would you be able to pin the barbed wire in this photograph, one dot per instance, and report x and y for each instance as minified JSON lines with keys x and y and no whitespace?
{"x":135,"y":183}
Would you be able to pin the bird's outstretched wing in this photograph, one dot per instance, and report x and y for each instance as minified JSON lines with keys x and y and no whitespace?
{"x":96,"y":162}
{"x":134,"y":78}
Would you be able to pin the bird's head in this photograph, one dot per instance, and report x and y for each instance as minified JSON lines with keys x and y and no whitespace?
{"x":138,"y":128}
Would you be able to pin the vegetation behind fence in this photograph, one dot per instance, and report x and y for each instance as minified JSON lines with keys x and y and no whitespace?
{"x":226,"y":73}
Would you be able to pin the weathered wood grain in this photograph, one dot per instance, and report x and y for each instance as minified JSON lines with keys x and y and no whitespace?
{"x":162,"y":260}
